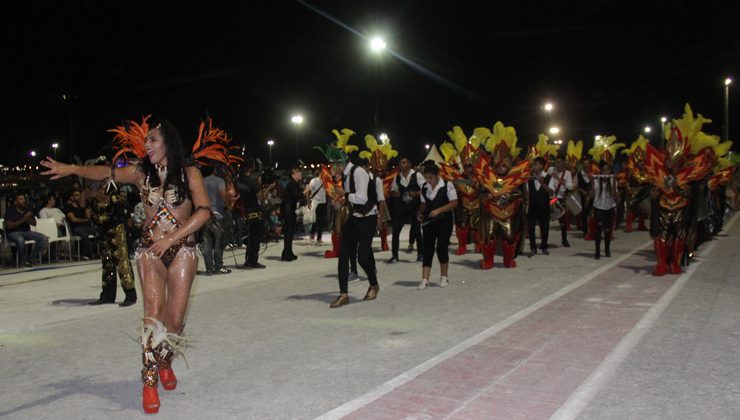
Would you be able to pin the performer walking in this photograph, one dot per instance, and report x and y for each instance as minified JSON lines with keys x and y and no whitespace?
{"x":604,"y":192}
{"x":405,"y":191}
{"x":438,"y":201}
{"x":108,"y":215}
{"x":538,"y":205}
{"x":176,"y":206}
{"x":316,"y":198}
{"x":563,"y":185}
{"x":291,"y":196}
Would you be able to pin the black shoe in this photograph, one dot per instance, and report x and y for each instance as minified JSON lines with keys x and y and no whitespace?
{"x":393,"y":260}
{"x":532,"y":252}
{"x":250,"y":266}
{"x":607,"y":254}
{"x":419,"y":258}
{"x":130,"y":298}
{"x":222,"y":270}
{"x":566,"y":244}
{"x":545,"y":251}
{"x":597,"y":256}
{"x":28,"y":263}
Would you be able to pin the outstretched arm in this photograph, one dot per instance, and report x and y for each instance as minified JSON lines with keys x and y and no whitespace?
{"x":127,"y":175}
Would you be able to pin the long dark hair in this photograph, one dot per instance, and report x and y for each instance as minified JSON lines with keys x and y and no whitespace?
{"x":603,"y":164}
{"x":176,"y":158}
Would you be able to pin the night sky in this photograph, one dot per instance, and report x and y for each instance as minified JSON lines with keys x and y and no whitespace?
{"x":610,"y":67}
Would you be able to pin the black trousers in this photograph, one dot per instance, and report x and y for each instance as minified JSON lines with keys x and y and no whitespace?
{"x":437,"y":237}
{"x":357,"y":234}
{"x":604,"y":220}
{"x":254,"y":240}
{"x":405,"y":214}
{"x":289,"y":222}
{"x":320,"y":223}
{"x":543,"y":221}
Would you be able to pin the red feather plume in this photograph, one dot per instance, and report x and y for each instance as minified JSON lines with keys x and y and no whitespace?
{"x":130,"y":139}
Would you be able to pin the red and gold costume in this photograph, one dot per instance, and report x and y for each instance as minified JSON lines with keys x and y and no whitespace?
{"x":671,"y":171}
{"x":460,"y":153}
{"x":336,"y":151}
{"x":378,"y":154}
{"x":501,"y":178}
{"x":636,"y":185}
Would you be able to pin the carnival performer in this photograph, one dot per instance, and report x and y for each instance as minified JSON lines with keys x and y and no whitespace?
{"x":465,"y":152}
{"x":563,"y":187}
{"x":176,"y":206}
{"x":671,"y":171}
{"x":637,"y":192}
{"x":336,"y":152}
{"x":405,"y":192}
{"x":360,"y":200}
{"x":378,"y":156}
{"x":604,"y":193}
{"x":574,"y":200}
{"x":438,"y":201}
{"x":501,"y":178}
{"x":604,"y":149}
{"x":109,"y":217}
{"x":722,"y":174}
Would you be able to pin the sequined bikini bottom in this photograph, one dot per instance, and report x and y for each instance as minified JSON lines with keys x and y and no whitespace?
{"x":169,"y":255}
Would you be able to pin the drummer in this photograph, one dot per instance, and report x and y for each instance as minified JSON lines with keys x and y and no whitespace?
{"x":561,"y":182}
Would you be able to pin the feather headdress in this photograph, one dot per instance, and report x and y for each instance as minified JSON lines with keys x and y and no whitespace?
{"x":130,"y":139}
{"x":605,"y":148}
{"x":501,"y":143}
{"x":378,"y":154}
{"x":338,"y":150}
{"x":467,"y":149}
{"x":574,"y":152}
{"x":543,"y":148}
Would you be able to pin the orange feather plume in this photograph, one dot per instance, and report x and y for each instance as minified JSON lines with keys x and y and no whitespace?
{"x":130,"y":139}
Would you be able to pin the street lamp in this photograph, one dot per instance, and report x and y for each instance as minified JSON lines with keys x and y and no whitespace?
{"x":377,"y":44}
{"x":648,"y":129}
{"x":33,"y":153}
{"x":726,"y":130}
{"x":270,"y":143}
{"x":383,"y":138}
{"x":554,"y":130}
{"x":55,"y":146}
{"x":549,"y":107}
{"x":297,"y":120}
{"x":427,"y":147}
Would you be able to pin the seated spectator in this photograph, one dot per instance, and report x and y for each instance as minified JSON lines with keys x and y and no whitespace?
{"x":50,"y":211}
{"x":79,"y":218}
{"x":18,"y":221}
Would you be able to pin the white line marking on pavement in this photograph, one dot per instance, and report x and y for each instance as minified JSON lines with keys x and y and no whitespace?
{"x":404,"y":377}
{"x":583,"y":395}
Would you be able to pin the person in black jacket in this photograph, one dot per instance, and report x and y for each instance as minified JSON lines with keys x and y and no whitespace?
{"x":251,"y":194}
{"x":538,"y":205}
{"x":292,"y":195}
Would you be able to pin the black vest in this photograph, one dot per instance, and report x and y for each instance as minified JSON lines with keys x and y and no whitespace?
{"x":412,"y":187}
{"x":539,"y":200}
{"x":440,"y":200}
{"x":372,"y":194}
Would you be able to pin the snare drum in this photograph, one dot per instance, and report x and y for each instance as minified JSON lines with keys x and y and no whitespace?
{"x":573,"y":203}
{"x":557,"y":209}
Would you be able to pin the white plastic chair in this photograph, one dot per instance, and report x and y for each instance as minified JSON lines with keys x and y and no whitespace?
{"x":48,"y":226}
{"x":72,"y":238}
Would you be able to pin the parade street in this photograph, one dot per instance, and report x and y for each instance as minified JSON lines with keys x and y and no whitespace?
{"x":562,"y":335}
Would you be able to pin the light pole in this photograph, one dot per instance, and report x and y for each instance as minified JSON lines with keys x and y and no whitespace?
{"x":726,"y":131}
{"x":647,"y":129}
{"x":297,"y":120}
{"x":377,"y":45}
{"x":55,"y":146}
{"x":270,"y":143}
{"x":554,"y":130}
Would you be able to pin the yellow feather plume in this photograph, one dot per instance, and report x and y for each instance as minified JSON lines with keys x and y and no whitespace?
{"x":575,"y":150}
{"x":640,"y":143}
{"x":502,"y":133}
{"x":604,"y":144}
{"x":343,"y":139}
{"x":543,"y":148}
{"x":688,"y":125}
{"x":449,"y":151}
{"x":458,"y":137}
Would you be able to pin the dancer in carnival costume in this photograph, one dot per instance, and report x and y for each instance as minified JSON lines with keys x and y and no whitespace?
{"x":605,"y":149}
{"x":378,"y":155}
{"x":671,"y":171}
{"x":176,"y":206}
{"x":464,"y":152}
{"x":637,"y":191}
{"x":574,"y":201}
{"x":336,"y":153}
{"x":501,"y":177}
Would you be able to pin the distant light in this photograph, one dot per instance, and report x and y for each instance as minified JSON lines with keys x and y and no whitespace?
{"x":549,"y":107}
{"x":54,"y":145}
{"x":377,"y":44}
{"x":33,"y":153}
{"x":426,"y":146}
{"x":554,"y":130}
{"x":559,"y":141}
{"x":270,"y":142}
{"x":648,"y":129}
{"x":728,"y":81}
{"x":383,"y":137}
{"x":663,"y":119}
{"x":597,"y":137}
{"x":297,"y":119}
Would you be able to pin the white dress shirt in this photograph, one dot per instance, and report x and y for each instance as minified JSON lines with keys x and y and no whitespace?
{"x":430,"y":193}
{"x":52,"y":213}
{"x":359,"y":197}
{"x":406,"y":179}
{"x":604,"y":201}
{"x":562,"y":186}
{"x":320,"y":196}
